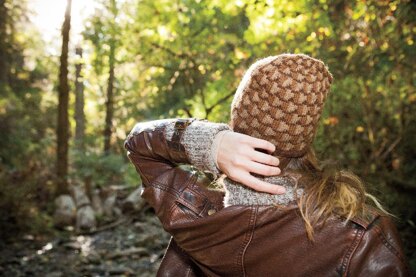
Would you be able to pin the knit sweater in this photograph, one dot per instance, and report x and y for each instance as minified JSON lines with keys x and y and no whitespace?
{"x":199,"y":142}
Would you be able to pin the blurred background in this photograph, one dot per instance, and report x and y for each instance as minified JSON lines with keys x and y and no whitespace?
{"x":75,"y":76}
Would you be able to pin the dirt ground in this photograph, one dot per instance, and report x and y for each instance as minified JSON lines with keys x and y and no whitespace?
{"x":133,"y":247}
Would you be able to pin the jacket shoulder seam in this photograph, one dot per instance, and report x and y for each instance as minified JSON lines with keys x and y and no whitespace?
{"x":359,"y":233}
{"x":247,"y":239}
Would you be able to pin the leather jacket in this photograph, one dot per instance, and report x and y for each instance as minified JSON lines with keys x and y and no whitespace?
{"x":210,"y":240}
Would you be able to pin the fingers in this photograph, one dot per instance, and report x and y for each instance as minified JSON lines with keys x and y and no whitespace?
{"x":262,"y":186}
{"x":261,"y":144}
{"x":263,"y":169}
{"x":260,"y":157}
{"x":238,"y":157}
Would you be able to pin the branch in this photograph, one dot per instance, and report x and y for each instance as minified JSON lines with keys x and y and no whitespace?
{"x":197,"y":32}
{"x":201,"y":92}
{"x":391,"y":147}
{"x":179,"y":55}
{"x":124,"y":220}
{"x":188,"y":112}
{"x":220,"y":101}
{"x":162,"y":66}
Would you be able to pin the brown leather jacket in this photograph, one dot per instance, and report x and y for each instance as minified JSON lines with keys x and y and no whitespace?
{"x":210,"y":240}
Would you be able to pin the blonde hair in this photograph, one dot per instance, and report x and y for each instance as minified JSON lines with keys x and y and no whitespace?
{"x":328,"y":191}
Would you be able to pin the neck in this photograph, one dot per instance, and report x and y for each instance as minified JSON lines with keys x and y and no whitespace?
{"x":238,"y":194}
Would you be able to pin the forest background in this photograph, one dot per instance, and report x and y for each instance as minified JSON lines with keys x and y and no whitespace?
{"x":66,"y":108}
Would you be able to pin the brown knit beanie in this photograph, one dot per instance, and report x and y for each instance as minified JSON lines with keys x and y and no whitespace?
{"x":280,"y":99}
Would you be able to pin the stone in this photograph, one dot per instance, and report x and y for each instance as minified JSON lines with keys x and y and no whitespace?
{"x":85,"y":218}
{"x":133,"y":202}
{"x":97,"y":203}
{"x":109,"y":204}
{"x":65,"y":211}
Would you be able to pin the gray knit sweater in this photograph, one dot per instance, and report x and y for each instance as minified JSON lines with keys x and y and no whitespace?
{"x":198,"y":140}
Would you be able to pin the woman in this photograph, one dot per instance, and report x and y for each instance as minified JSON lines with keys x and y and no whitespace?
{"x":282,"y":214}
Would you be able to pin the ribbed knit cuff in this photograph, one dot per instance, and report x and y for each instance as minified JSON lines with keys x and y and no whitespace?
{"x":215,"y":146}
{"x":198,"y":141}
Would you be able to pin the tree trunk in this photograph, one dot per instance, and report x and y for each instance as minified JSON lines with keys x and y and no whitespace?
{"x":63,"y":120}
{"x":79,"y":102}
{"x":110,"y":101}
{"x":3,"y":42}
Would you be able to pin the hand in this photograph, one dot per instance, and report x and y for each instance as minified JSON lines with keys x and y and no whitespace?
{"x":237,"y":157}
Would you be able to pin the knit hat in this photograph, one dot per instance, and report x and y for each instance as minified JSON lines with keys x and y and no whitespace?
{"x":280,"y":99}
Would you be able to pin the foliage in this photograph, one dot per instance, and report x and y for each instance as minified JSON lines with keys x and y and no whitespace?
{"x":26,"y":144}
{"x":103,"y":170}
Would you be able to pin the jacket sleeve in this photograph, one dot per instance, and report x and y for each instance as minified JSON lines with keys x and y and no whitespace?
{"x":157,"y":149}
{"x":380,"y":252}
{"x":177,"y":262}
{"x":187,"y":209}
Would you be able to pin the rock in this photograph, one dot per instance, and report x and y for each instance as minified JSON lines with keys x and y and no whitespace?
{"x":133,"y":251}
{"x":109,"y":204}
{"x":117,"y":211}
{"x":120,"y":270}
{"x":73,"y":245}
{"x":54,"y":274}
{"x":93,"y":257}
{"x":96,"y":202}
{"x":85,"y":218}
{"x":133,"y":202}
{"x":65,"y":211}
{"x":140,"y":226}
{"x":80,"y":197}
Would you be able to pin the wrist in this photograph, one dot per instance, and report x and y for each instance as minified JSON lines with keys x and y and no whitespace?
{"x":216,"y":147}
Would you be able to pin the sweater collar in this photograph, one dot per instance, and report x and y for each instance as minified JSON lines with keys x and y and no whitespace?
{"x":238,"y":194}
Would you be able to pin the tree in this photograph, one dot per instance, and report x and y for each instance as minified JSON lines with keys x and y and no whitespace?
{"x":109,"y":106}
{"x":3,"y":63}
{"x":63,"y":98}
{"x":104,"y":30}
{"x":79,"y":101}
